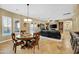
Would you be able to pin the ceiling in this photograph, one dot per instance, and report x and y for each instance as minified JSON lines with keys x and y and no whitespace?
{"x":42,"y":11}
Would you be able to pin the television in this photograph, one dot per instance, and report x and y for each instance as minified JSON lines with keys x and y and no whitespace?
{"x":53,"y":26}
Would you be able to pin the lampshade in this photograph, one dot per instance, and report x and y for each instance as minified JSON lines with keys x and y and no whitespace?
{"x":27,"y":20}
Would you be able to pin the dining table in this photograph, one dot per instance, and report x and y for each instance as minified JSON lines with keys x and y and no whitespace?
{"x":26,"y":37}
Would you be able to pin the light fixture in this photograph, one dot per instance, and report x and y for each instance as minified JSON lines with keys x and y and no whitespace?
{"x":27,"y":11}
{"x":16,"y":9}
{"x":27,"y":19}
{"x":30,"y":20}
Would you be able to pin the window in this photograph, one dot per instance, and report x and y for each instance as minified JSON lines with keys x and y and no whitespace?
{"x":16,"y":25}
{"x":31,"y":28}
{"x":6,"y":25}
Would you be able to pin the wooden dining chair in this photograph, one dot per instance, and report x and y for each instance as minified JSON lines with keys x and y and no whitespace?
{"x":16,"y":42}
{"x":72,"y":40}
{"x":76,"y":46}
{"x":36,"y":40}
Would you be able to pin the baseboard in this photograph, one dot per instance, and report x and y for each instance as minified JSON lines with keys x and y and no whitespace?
{"x":5,"y":40}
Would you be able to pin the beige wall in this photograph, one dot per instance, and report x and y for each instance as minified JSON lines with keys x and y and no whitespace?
{"x":67,"y":24}
{"x":17,"y":16}
{"x":76,"y":18}
{"x":12,"y":15}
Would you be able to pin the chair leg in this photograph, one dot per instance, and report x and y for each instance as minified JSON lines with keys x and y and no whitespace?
{"x":38,"y":46}
{"x":75,"y":49}
{"x":71,"y":41}
{"x":15,"y":47}
{"x":34,"y":49}
{"x":73,"y":46}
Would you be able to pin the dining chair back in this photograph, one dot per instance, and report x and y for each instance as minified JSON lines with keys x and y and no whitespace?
{"x":13,"y":36}
{"x":73,"y":39}
{"x":16,"y":42}
{"x":36,"y":37}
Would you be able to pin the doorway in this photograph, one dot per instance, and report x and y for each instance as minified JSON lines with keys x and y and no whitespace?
{"x":61,"y":27}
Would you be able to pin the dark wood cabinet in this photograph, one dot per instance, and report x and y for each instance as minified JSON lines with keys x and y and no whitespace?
{"x":61,"y":26}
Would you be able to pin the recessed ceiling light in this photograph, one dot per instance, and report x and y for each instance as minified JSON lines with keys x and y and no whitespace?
{"x":16,"y":9}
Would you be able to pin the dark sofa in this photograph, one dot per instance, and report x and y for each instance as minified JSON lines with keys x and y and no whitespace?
{"x":51,"y":33}
{"x":77,"y":33}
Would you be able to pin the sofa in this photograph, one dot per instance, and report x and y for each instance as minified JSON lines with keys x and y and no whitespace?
{"x":51,"y":34}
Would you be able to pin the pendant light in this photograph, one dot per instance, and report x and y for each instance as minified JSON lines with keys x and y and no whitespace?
{"x":27,"y":20}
